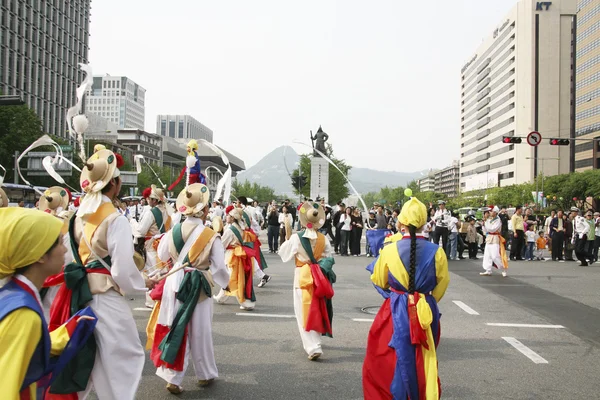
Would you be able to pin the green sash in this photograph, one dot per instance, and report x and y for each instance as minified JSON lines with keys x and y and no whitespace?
{"x":158,"y":218}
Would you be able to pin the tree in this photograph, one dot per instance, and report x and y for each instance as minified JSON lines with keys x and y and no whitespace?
{"x":253,"y":190}
{"x":338,"y":185}
{"x":19,"y":127}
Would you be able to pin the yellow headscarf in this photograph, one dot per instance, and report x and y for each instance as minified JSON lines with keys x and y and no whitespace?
{"x":192,"y":145}
{"x":413,"y":213}
{"x":25,"y":236}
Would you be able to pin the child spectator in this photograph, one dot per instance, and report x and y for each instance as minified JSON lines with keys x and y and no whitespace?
{"x":541,"y":242}
{"x":531,"y":236}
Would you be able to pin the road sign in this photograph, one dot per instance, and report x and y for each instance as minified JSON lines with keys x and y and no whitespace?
{"x":66,"y":149}
{"x":534,"y":138}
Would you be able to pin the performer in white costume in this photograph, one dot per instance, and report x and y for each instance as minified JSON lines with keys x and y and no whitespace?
{"x":313,"y":278}
{"x":100,"y":238}
{"x":186,"y":298}
{"x":495,"y":253}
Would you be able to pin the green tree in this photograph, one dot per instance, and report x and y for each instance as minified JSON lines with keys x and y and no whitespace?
{"x":338,"y":185}
{"x":253,"y":190}
{"x":19,"y":127}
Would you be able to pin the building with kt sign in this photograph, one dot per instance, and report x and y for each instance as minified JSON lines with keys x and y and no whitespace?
{"x":518,"y":81}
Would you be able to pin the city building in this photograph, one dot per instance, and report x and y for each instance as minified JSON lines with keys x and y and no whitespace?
{"x":182,"y":127}
{"x":117,"y":99}
{"x":587,"y":119}
{"x":519,"y":80}
{"x":140,"y":142}
{"x":447,"y":180}
{"x":427,"y":183}
{"x":41,"y":44}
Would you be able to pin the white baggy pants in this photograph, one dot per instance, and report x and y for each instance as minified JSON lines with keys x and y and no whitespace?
{"x":119,"y":356}
{"x":199,"y":347}
{"x":492,"y":256}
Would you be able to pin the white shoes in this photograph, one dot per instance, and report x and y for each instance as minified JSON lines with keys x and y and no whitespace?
{"x":504,"y":274}
{"x":486,"y":273}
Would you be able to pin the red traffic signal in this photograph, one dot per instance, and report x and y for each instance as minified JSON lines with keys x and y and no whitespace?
{"x":559,"y":142}
{"x":510,"y":139}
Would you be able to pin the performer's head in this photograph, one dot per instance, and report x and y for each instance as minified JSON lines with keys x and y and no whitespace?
{"x":237,"y":217}
{"x":312,"y":215}
{"x":156,"y":196}
{"x":242,"y":201}
{"x":3,"y":199}
{"x":54,"y":200}
{"x":494,"y":211}
{"x":413,"y":217}
{"x":193,"y":201}
{"x":192,"y":146}
{"x":31,"y":243}
{"x":100,"y":176}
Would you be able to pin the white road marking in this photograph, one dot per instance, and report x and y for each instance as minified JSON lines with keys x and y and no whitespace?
{"x":526,"y":351}
{"x":251,"y":314}
{"x":362,"y":320}
{"x":142,"y":309}
{"x":465,"y":307}
{"x":525,"y":325}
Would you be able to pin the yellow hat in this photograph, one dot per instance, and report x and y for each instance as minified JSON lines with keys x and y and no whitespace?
{"x":25,"y":236}
{"x":413,"y":213}
{"x":193,"y":200}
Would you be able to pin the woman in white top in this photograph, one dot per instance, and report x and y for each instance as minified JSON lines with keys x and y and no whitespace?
{"x":285,"y":225}
{"x":346,"y":224}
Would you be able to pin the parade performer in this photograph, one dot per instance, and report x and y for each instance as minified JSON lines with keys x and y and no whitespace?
{"x":494,"y":254}
{"x":313,"y":278}
{"x":241,"y":255}
{"x":31,"y":249}
{"x":401,"y":361}
{"x":55,"y":202}
{"x":184,"y":323}
{"x":153,"y":224}
{"x":102,"y":273}
{"x":192,"y":167}
{"x":249,"y":214}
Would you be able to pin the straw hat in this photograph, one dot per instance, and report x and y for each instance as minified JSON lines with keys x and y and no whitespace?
{"x":192,"y":200}
{"x":157,"y":194}
{"x":237,"y":214}
{"x":53,"y":198}
{"x":99,"y":169}
{"x":3,"y":199}
{"x":312,"y":216}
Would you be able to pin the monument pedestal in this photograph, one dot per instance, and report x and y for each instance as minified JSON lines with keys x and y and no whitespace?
{"x":319,"y":178}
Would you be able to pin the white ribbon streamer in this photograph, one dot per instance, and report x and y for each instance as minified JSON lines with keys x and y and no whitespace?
{"x":224,"y":184}
{"x":43,"y":141}
{"x":76,"y":109}
{"x":3,"y":175}
{"x":138,"y":166}
{"x":340,"y":171}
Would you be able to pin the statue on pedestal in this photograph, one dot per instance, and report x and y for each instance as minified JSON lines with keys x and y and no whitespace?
{"x":321,"y":137}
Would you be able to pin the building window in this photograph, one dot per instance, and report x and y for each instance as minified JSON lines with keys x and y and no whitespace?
{"x":180,"y":130}
{"x":172,"y":129}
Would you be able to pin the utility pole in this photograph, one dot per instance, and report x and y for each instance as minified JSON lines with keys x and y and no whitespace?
{"x":16,"y":171}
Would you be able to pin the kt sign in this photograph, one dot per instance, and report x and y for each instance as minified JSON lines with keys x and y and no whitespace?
{"x":543,"y":5}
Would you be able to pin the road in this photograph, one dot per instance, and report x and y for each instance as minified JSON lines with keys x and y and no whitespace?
{"x":483,"y":354}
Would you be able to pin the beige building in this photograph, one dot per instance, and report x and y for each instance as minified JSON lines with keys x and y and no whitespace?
{"x":519,"y":81}
{"x":427,"y":183}
{"x":587,"y":119}
{"x":447,"y":180}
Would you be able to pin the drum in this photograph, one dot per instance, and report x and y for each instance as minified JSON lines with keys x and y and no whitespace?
{"x":217,"y":224}
{"x":139,"y":261}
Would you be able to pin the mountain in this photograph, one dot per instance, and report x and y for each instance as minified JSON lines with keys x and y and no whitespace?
{"x":271,"y":171}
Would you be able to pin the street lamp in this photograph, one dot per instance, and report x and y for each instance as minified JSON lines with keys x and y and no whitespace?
{"x":537,"y":194}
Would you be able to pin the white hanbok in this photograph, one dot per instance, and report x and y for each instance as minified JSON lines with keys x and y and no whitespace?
{"x":491,"y":254}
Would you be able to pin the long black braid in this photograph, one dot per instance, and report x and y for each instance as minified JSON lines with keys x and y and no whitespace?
{"x":413,"y":258}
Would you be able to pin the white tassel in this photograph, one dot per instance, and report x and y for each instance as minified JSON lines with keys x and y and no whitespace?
{"x":76,"y":109}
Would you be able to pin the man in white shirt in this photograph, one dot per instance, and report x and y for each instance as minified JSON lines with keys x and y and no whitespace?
{"x":453,"y":236}
{"x":442,"y":219}
{"x":580,"y":231}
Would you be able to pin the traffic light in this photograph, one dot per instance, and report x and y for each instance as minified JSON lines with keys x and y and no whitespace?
{"x":559,"y":142}
{"x":298,"y":181}
{"x":511,"y":139}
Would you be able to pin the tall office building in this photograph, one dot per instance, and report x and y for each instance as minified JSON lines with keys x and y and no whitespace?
{"x":587,"y":120}
{"x":182,"y":127}
{"x":41,"y":43}
{"x":119,"y":100}
{"x":518,"y":81}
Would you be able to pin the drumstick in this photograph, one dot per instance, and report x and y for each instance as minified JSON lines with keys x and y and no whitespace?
{"x":171,"y":272}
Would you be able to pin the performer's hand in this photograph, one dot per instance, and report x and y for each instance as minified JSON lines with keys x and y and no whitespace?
{"x":151,"y":282}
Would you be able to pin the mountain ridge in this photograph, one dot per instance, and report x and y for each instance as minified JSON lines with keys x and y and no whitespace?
{"x":274,"y":168}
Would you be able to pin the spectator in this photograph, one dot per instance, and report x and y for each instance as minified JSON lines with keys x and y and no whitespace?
{"x":569,"y":245}
{"x":541,"y":244}
{"x":273,"y":229}
{"x":531,"y":237}
{"x":345,"y":228}
{"x":557,"y":232}
{"x":285,"y":225}
{"x":452,"y":236}
{"x":380,"y":217}
{"x":336,"y":223}
{"x":472,"y":238}
{"x":371,"y":223}
{"x":356,"y":233}
{"x":519,"y":234}
{"x":597,"y":236}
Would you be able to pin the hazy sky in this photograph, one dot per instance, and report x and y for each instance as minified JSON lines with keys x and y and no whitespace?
{"x":381,"y":77}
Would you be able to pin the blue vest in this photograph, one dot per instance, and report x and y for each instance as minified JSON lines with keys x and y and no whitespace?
{"x":13,"y":297}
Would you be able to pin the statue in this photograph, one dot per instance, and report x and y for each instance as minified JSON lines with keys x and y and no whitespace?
{"x":321,"y":137}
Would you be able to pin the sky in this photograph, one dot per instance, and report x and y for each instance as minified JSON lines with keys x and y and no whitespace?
{"x":381,"y":77}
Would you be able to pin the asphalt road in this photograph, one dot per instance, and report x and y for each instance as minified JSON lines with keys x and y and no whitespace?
{"x":261,"y":357}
